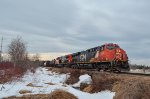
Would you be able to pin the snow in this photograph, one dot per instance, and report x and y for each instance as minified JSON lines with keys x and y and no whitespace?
{"x":41,"y":77}
{"x":140,"y":71}
{"x":83,"y":79}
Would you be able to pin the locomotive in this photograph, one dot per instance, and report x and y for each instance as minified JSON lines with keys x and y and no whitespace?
{"x":105,"y":57}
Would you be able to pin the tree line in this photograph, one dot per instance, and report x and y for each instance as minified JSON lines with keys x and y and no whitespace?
{"x":135,"y":66}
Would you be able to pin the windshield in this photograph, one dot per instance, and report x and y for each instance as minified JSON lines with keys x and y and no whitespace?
{"x":111,"y":46}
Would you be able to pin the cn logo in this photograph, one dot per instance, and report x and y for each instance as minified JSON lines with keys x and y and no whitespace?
{"x":83,"y":57}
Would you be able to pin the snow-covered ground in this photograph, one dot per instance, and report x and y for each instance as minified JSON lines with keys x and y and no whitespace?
{"x":41,"y":77}
{"x":140,"y":71}
{"x":83,"y":79}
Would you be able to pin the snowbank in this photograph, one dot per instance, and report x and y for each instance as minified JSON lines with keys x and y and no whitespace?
{"x":83,"y":79}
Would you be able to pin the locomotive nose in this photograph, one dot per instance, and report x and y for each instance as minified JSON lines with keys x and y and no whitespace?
{"x":121,"y":55}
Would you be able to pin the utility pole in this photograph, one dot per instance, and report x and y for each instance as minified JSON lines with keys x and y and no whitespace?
{"x":1,"y":57}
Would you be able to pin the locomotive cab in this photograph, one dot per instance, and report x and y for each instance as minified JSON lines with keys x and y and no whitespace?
{"x":112,"y":52}
{"x":113,"y":55}
{"x":111,"y":46}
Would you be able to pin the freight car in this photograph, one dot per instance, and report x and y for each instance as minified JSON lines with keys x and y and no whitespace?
{"x":105,"y":57}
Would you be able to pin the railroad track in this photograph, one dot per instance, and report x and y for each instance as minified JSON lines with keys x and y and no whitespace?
{"x":130,"y":73}
{"x":120,"y":73}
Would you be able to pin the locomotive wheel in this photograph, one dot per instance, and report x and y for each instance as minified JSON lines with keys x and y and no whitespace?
{"x":105,"y":69}
{"x":98,"y":69}
{"x":119,"y":70}
{"x":93,"y":66}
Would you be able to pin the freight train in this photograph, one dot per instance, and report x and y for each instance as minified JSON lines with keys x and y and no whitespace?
{"x":107,"y":57}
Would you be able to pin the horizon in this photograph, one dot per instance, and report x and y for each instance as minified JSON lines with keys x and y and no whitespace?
{"x":53,"y":55}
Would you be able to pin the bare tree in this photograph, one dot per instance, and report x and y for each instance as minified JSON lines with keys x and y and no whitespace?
{"x":36,"y":57}
{"x":17,"y":50}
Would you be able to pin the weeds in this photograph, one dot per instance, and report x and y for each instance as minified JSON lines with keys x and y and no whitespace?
{"x":24,"y":91}
{"x":10,"y":72}
{"x":103,"y":82}
{"x":74,"y":74}
{"x":132,"y":88}
{"x":58,"y":94}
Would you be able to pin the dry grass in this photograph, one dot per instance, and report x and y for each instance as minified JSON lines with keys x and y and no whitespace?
{"x":74,"y":76}
{"x":74,"y":73}
{"x":125,"y":86}
{"x":24,"y":91}
{"x":50,"y":83}
{"x":61,"y":94}
{"x":133,"y":88}
{"x":58,"y":70}
{"x":58,"y":94}
{"x":103,"y":81}
{"x":32,"y":85}
{"x":11,"y":74}
{"x":83,"y":86}
{"x":88,"y":89}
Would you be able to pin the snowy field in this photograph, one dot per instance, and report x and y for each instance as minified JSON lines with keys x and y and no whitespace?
{"x":40,"y":79}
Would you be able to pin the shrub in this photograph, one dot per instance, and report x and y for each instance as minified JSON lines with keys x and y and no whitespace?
{"x":10,"y":72}
{"x":58,"y":94}
{"x":74,"y":76}
{"x":24,"y":91}
{"x":103,"y":81}
{"x":133,"y":88}
{"x":74,"y":73}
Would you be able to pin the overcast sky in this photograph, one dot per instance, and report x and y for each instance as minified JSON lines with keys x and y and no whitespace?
{"x":74,"y":25}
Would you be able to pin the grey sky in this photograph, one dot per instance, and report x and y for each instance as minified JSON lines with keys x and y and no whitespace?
{"x":74,"y":25}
